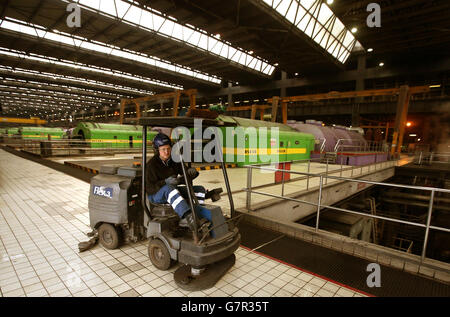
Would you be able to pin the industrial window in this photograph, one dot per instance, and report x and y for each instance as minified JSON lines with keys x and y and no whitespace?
{"x":151,"y":20}
{"x":317,"y":21}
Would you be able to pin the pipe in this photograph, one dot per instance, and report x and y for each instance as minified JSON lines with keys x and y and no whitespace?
{"x":413,"y":203}
{"x":417,"y":197}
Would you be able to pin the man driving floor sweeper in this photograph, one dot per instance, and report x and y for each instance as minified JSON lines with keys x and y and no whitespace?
{"x":163,"y":178}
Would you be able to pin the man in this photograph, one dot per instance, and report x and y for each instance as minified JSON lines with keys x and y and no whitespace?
{"x":162,"y":183}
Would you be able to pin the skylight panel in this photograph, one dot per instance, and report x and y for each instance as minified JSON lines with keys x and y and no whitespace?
{"x":105,"y":6}
{"x":217,"y":49}
{"x":300,"y":14}
{"x":290,"y":16}
{"x":133,"y":14}
{"x":194,"y":38}
{"x":147,"y":20}
{"x":203,"y":43}
{"x":178,"y":31}
{"x":93,"y":3}
{"x":166,"y":26}
{"x":304,"y":22}
{"x":212,"y":42}
{"x":348,"y":38}
{"x":283,"y":7}
{"x":309,"y":28}
{"x":105,"y":71}
{"x":337,"y":28}
{"x":307,"y":4}
{"x":98,"y":47}
{"x":324,"y":14}
{"x":317,"y":21}
{"x":121,"y":8}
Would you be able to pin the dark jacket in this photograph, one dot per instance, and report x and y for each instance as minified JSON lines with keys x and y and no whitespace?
{"x":158,"y":171}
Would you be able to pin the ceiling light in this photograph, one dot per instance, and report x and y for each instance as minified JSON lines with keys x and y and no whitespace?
{"x":329,"y":1}
{"x":381,"y":64}
{"x":354,"y":30}
{"x":276,"y":64}
{"x":370,"y":50}
{"x":296,"y":74}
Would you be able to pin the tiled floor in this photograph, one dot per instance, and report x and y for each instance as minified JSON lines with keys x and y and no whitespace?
{"x":43,"y":217}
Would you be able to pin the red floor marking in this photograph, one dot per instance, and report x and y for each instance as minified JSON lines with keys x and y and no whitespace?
{"x":306,"y":271}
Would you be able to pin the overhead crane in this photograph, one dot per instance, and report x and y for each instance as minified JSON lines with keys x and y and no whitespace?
{"x":32,"y":120}
{"x":404,"y":92}
{"x":191,"y":93}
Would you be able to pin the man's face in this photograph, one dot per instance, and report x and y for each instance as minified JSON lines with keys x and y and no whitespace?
{"x":164,"y":152}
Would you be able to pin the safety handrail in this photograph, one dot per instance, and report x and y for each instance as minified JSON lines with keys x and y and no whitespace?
{"x":319,"y":205}
{"x":429,"y":156}
{"x":322,"y":145}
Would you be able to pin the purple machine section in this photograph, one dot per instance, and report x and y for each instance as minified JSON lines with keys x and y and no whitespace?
{"x":351,"y":149}
{"x":359,"y":159}
{"x":347,"y":142}
{"x":321,"y":134}
{"x":357,"y":153}
{"x":358,"y":137}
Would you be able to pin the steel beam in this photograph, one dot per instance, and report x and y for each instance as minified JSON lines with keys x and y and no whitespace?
{"x":400,"y":119}
{"x":353,"y":94}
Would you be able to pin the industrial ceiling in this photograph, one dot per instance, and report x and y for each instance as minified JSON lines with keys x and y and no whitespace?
{"x":125,"y":48}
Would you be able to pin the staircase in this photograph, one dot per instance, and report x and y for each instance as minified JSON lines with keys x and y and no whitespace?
{"x":330,"y":156}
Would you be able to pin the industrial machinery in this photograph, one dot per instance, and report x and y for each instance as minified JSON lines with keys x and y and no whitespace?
{"x":119,"y":209}
{"x":107,"y":135}
{"x":293,"y":145}
{"x":41,"y":133}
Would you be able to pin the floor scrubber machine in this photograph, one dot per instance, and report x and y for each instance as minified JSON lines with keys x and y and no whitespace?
{"x":120,"y":212}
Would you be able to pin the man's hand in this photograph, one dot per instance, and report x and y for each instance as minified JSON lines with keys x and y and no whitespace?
{"x":192,"y":172}
{"x":172,"y":180}
{"x":180,"y":179}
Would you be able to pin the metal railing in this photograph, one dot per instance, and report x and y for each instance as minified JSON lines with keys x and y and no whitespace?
{"x":321,"y":144}
{"x":68,"y":147}
{"x":319,"y":204}
{"x":356,"y":145}
{"x":431,"y":157}
{"x":354,"y":170}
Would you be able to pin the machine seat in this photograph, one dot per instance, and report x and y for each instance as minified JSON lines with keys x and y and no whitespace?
{"x":160,"y":210}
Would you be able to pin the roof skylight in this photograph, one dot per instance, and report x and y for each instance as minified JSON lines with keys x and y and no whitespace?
{"x":79,"y":66}
{"x":67,"y":79}
{"x":77,"y":41}
{"x":317,"y":21}
{"x":149,"y":20}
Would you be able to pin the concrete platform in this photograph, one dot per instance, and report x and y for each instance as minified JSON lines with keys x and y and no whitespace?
{"x":43,"y":217}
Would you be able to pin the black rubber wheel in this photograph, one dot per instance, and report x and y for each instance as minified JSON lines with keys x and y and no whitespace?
{"x":159,"y":255}
{"x":108,"y":236}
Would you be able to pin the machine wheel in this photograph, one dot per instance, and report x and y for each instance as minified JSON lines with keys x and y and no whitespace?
{"x":159,"y":255}
{"x":108,"y":236}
